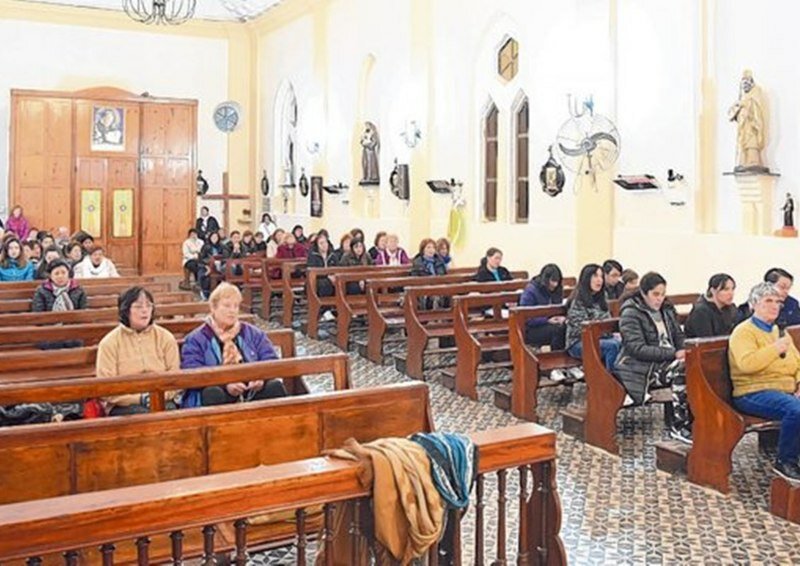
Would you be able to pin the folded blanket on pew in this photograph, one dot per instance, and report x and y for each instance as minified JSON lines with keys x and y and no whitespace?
{"x":454,"y":465}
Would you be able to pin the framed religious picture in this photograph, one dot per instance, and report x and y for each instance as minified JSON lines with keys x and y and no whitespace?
{"x":316,"y":197}
{"x":108,"y":128}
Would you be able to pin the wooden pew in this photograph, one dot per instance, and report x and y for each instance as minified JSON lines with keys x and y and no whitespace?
{"x":157,"y":384}
{"x":90,"y":282}
{"x":682,"y":302}
{"x":292,"y":288}
{"x":256,"y":278}
{"x":100,"y":301}
{"x":529,"y":365}
{"x":422,"y":325}
{"x":385,"y":305}
{"x":100,"y":454}
{"x":89,"y":333}
{"x":37,"y":365}
{"x":67,"y":524}
{"x":91,"y":291}
{"x":192,"y":309}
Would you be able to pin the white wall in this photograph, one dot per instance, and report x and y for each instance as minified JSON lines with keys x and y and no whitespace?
{"x":57,"y":57}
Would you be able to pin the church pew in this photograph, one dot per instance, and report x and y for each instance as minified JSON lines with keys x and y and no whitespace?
{"x":256,"y":278}
{"x":101,"y":454}
{"x":385,"y":298}
{"x":221,"y":500}
{"x":90,"y":282}
{"x":423,"y":325}
{"x":529,"y":364}
{"x":89,"y":333}
{"x":91,"y":291}
{"x":157,"y":384}
{"x":718,"y":426}
{"x":350,"y":306}
{"x":100,"y":301}
{"x":171,"y":310}
{"x":681,"y":301}
{"x":37,"y":365}
{"x":292,"y":289}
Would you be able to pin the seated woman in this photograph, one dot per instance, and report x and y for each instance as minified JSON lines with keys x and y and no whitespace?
{"x":74,"y":253}
{"x":587,"y":304}
{"x":443,"y":249}
{"x":344,"y":246}
{"x":427,"y":261}
{"x":274,"y":241}
{"x":248,"y":244}
{"x":630,"y":279}
{"x":224,"y":340}
{"x":291,"y":248}
{"x":95,"y":265}
{"x":32,"y":251}
{"x":652,"y":354}
{"x":299,"y":235}
{"x":321,"y":254}
{"x":191,"y":248}
{"x":13,"y":265}
{"x":50,"y":255}
{"x":393,"y":254}
{"x":213,"y":248}
{"x":259,"y":244}
{"x":490,"y":269}
{"x":543,"y":290}
{"x":137,"y":345}
{"x":765,"y":371}
{"x":379,"y":246}
{"x":356,"y":256}
{"x":714,"y":314}
{"x":59,"y":292}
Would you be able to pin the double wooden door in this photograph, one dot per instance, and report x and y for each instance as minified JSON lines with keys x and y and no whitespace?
{"x":118,"y":166}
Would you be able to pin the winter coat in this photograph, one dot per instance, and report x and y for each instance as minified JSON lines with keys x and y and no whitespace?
{"x":385,"y":257}
{"x":229,"y":253}
{"x":615,"y":292}
{"x":86,"y":269}
{"x":707,"y":320}
{"x":485,"y":275}
{"x":316,"y":259}
{"x":18,"y":226}
{"x":211,"y":226}
{"x":202,"y":348}
{"x":15,"y":273}
{"x":641,"y":351}
{"x":45,"y":297}
{"x":536,"y":295}
{"x":294,"y":252}
{"x":424,"y":267}
{"x":348,"y":259}
{"x":577,"y":314}
{"x":789,"y":315}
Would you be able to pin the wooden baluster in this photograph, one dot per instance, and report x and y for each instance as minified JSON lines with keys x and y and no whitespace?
{"x":433,"y":555}
{"x":455,"y":519}
{"x":208,"y":545}
{"x":71,"y":558}
{"x":523,"y":555}
{"x":177,"y":547}
{"x":300,"y":516}
{"x":241,"y":542}
{"x":143,"y":551}
{"x":328,"y":534}
{"x":107,"y":550}
{"x":501,"y":519}
{"x":479,"y":521}
{"x":355,"y":532}
{"x":34,"y":561}
{"x":544,"y":488}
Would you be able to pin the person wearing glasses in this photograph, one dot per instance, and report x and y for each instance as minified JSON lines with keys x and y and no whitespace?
{"x":136,"y":346}
{"x":224,"y":340}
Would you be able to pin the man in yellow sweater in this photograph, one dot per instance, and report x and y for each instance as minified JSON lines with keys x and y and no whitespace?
{"x":765,"y":370}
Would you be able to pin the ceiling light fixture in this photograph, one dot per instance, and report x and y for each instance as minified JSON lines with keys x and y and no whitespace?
{"x":160,"y":12}
{"x":246,"y":10}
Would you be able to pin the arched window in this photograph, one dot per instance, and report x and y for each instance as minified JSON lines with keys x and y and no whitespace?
{"x":521,"y":157}
{"x":490,"y":163}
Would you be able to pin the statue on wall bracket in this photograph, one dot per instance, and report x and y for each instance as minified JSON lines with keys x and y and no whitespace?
{"x":749,"y":113}
{"x":370,"y":152}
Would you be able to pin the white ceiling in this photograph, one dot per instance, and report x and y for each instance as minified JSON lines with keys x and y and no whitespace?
{"x":206,"y":9}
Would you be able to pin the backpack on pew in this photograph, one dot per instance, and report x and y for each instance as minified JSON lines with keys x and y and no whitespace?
{"x":36,"y":413}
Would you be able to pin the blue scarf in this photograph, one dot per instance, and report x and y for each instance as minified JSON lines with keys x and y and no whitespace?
{"x":454,"y":465}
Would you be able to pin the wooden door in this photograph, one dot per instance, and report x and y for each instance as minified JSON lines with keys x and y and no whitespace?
{"x":167,"y":186}
{"x":41,"y":159}
{"x":107,"y":181}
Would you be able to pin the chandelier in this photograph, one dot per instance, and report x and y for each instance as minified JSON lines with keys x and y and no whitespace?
{"x":160,"y":12}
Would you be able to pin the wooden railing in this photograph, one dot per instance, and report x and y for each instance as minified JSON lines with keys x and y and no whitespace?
{"x":69,"y":525}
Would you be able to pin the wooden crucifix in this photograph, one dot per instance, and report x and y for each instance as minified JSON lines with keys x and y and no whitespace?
{"x":226,"y":197}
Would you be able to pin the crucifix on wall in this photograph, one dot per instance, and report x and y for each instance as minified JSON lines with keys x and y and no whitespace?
{"x":226,"y":197}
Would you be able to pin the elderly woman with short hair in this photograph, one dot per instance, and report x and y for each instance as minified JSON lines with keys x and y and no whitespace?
{"x":765,"y":371}
{"x":224,"y":340}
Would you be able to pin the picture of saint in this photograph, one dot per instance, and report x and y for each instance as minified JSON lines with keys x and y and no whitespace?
{"x":316,"y":197}
{"x":108,"y":129}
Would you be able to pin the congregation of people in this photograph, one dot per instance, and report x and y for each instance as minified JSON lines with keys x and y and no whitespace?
{"x":646,"y":354}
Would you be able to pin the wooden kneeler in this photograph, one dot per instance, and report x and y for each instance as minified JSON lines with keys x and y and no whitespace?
{"x":784,"y":500}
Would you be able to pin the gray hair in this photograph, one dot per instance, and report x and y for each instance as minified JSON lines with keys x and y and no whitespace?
{"x":760,"y":291}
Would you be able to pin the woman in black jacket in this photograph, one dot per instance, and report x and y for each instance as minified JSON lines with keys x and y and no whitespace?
{"x":356,"y":256}
{"x":653,"y":353}
{"x":213,"y":247}
{"x":322,"y":255}
{"x":59,"y":292}
{"x":714,"y":314}
{"x":490,"y":269}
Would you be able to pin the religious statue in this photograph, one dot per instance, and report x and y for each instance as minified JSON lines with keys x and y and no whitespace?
{"x":370,"y":149}
{"x":788,"y":212}
{"x":749,"y":114}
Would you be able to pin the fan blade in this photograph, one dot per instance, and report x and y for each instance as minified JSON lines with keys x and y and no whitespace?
{"x":603,"y":136}
{"x":571,"y":152}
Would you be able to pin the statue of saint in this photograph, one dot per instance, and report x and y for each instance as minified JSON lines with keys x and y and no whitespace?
{"x":749,"y":114}
{"x":370,"y":149}
{"x":788,"y":212}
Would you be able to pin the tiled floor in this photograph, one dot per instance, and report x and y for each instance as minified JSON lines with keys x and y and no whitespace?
{"x":617,"y":510}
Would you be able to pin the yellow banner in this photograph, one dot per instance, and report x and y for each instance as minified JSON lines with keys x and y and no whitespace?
{"x":123,"y":213}
{"x":92,"y":212}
